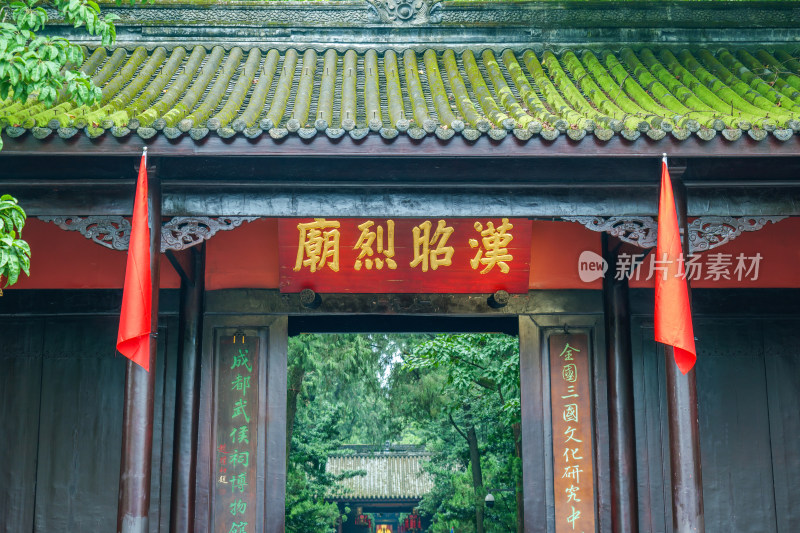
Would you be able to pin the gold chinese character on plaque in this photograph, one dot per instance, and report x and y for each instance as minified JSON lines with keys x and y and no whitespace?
{"x":493,"y":247}
{"x":367,"y":239}
{"x":319,"y":245}
{"x":432,"y":250}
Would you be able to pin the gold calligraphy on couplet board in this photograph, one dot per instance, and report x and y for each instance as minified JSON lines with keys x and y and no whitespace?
{"x":573,"y":475}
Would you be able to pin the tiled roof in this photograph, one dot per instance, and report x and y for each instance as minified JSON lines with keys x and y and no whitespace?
{"x":267,"y":93}
{"x":388,"y":476}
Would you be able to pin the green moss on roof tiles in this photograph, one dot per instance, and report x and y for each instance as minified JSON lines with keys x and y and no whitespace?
{"x":578,"y":92}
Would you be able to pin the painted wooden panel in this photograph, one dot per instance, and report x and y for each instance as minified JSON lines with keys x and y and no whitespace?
{"x":61,"y":390}
{"x":750,"y":465}
{"x":20,"y":382}
{"x":80,"y":427}
{"x":652,"y":446}
{"x":734,"y":427}
{"x":266,"y":345}
{"x":782,"y":359}
{"x":78,"y":474}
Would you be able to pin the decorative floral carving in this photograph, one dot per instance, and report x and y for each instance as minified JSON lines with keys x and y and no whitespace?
{"x":178,"y":234}
{"x":110,"y":231}
{"x":184,"y":232}
{"x":640,"y":231}
{"x":405,"y":12}
{"x":705,"y":233}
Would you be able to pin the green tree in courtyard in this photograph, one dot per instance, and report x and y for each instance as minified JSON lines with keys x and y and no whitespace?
{"x":346,"y":370}
{"x":336,"y":395}
{"x":463,"y":393}
{"x":314,"y":438}
{"x":458,"y":395}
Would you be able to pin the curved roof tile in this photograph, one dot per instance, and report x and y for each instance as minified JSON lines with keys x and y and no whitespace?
{"x":266,"y":93}
{"x":388,"y":476}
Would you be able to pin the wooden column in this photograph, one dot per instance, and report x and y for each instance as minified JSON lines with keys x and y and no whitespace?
{"x":137,"y":417}
{"x":534,"y":480}
{"x":275,"y":474}
{"x":622,"y":441}
{"x":187,"y":406}
{"x":684,"y":428}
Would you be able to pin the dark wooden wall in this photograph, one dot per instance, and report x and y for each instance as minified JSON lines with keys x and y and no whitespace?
{"x":61,"y":392}
{"x":61,"y":411}
{"x":748,"y":383}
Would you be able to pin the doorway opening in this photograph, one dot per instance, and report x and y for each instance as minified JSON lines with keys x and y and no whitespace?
{"x":406,"y":428}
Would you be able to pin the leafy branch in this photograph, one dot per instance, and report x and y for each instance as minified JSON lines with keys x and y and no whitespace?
{"x":15,"y":254}
{"x":34,"y":64}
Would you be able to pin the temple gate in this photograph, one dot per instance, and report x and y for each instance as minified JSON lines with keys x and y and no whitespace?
{"x":432,"y":166}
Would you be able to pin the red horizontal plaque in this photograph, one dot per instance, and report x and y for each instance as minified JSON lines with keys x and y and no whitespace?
{"x":455,"y":255}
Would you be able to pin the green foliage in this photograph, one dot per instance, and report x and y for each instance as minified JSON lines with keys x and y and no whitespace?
{"x":336,"y":396}
{"x":348,"y":371}
{"x":477,"y":367}
{"x":15,"y":254}
{"x":314,"y":438}
{"x":368,"y":389}
{"x":45,"y":67}
{"x":451,"y":502}
{"x":452,"y":382}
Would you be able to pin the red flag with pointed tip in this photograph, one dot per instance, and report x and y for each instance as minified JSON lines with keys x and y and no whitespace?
{"x":133,"y":338}
{"x":673,"y":313}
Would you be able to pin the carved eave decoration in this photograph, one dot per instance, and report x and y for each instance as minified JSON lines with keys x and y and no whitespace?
{"x":705,"y":233}
{"x":179,"y":233}
{"x":405,"y":12}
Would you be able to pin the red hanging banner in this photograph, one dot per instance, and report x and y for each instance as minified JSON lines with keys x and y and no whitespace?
{"x":404,"y":255}
{"x":133,"y":337}
{"x":673,"y":312}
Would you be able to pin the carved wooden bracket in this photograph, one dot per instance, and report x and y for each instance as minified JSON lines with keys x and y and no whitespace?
{"x":179,"y":233}
{"x":640,"y":231}
{"x":705,"y":233}
{"x":110,"y":231}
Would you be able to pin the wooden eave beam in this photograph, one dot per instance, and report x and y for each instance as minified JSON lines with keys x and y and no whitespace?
{"x":218,"y":198}
{"x":374,"y":145}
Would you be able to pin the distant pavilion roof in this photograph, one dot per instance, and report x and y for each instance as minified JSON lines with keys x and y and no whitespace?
{"x":390,"y":475}
{"x":269,"y":94}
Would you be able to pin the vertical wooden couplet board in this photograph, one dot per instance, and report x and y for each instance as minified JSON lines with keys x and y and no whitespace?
{"x":570,"y":401}
{"x":236,"y":413}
